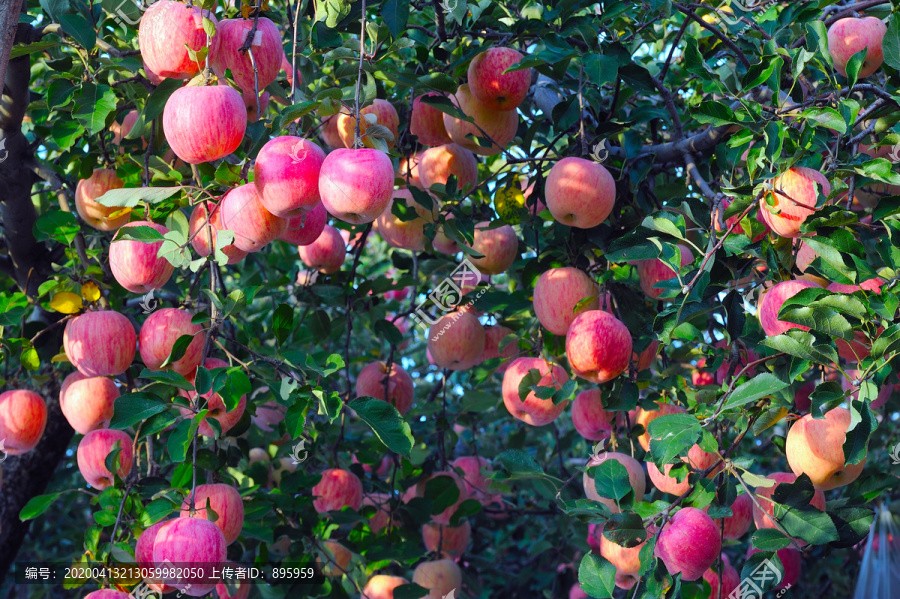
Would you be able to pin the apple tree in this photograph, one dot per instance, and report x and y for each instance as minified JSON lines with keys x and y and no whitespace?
{"x":449,"y":298}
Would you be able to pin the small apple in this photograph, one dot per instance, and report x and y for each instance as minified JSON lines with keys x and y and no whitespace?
{"x":652,"y":272}
{"x":730,"y":579}
{"x":493,"y":338}
{"x":645,"y":417}
{"x":598,"y":346}
{"x":205,"y":223}
{"x":408,"y":234}
{"x":336,"y":559}
{"x":533,"y":410}
{"x":499,"y":247}
{"x":791,"y":561}
{"x":737,"y":525}
{"x":214,"y":404}
{"x":87,"y":402}
{"x":203,"y":123}
{"x":337,"y":489}
{"x":762,"y":514}
{"x":306,"y":228}
{"x":689,"y":543}
{"x":476,"y":482}
{"x":589,"y":418}
{"x":580,"y":193}
{"x":499,"y":125}
{"x":427,"y":122}
{"x":143,"y":556}
{"x":394,"y":387}
{"x":697,"y":459}
{"x":23,"y":418}
{"x":436,"y":165}
{"x":850,"y":35}
{"x":625,"y":559}
{"x":387,"y":117}
{"x":418,"y":490}
{"x":249,"y":74}
{"x":326,"y":254}
{"x":381,"y":586}
{"x":561,"y":294}
{"x":793,"y":199}
{"x":225,"y":502}
{"x":93,"y":451}
{"x":95,"y":214}
{"x":100,"y":343}
{"x":770,"y":304}
{"x":135,"y":265}
{"x":168,"y":33}
{"x":447,"y":541}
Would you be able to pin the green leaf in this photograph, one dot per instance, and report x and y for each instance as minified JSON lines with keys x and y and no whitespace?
{"x":517,"y":461}
{"x":409,"y":591}
{"x":853,"y":524}
{"x":819,"y":318}
{"x":714,"y":113}
{"x":811,"y":525}
{"x":386,"y":422}
{"x":597,"y":576}
{"x":801,"y":345}
{"x":154,"y":106}
{"x":178,"y":348}
{"x":672,"y":435}
{"x":180,"y":438}
{"x":395,"y":14}
{"x":130,"y":409}
{"x":611,"y":481}
{"x":625,"y":529}
{"x":37,"y":506}
{"x":283,"y":322}
{"x":93,"y":104}
{"x":237,"y":385}
{"x":891,"y":44}
{"x":762,"y":385}
{"x":442,"y":491}
{"x":132,"y":196}
{"x":446,"y":106}
{"x":79,"y":29}
{"x":769,"y":539}
{"x":825,"y":117}
{"x":23,"y":49}
{"x":856,"y":445}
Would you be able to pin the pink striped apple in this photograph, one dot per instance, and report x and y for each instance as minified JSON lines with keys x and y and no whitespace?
{"x":793,"y":198}
{"x":387,"y":117}
{"x":158,"y":336}
{"x":204,"y":123}
{"x":95,"y":214}
{"x":374,"y":377}
{"x":533,"y":411}
{"x":100,"y":343}
{"x":456,"y":341}
{"x":253,"y":225}
{"x":23,"y":418}
{"x":93,"y":451}
{"x":770,"y":304}
{"x":689,"y":544}
{"x":652,"y":272}
{"x":499,"y":247}
{"x":598,"y":346}
{"x":225,"y":53}
{"x":440,"y":577}
{"x":438,"y":164}
{"x":409,"y":234}
{"x":561,"y":294}
{"x":494,"y":336}
{"x":499,"y":125}
{"x":381,"y":586}
{"x":337,"y":489}
{"x":306,"y":228}
{"x":326,"y":254}
{"x":225,"y":502}
{"x":427,"y":122}
{"x":636,"y":477}
{"x":286,"y":175}
{"x":816,"y":448}
{"x":203,"y":236}
{"x":850,"y":35}
{"x":87,"y":402}
{"x":447,"y":541}
{"x":166,"y":32}
{"x":195,"y":545}
{"x":136,"y":265}
{"x":214,"y":404}
{"x":143,"y":556}
{"x":580,"y":193}
{"x":492,"y":85}
{"x":356,"y":185}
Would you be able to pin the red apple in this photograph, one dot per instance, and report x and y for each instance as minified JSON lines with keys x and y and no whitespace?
{"x":794,"y":197}
{"x":100,"y":343}
{"x":93,"y":451}
{"x":456,"y":341}
{"x":400,"y":392}
{"x":850,"y":35}
{"x":770,"y":304}
{"x":533,"y":411}
{"x":427,"y":122}
{"x":95,"y":214}
{"x":492,"y":85}
{"x":87,"y":402}
{"x":214,"y":404}
{"x":227,"y":504}
{"x":166,"y":32}
{"x":410,"y":234}
{"x":306,"y":228}
{"x":23,"y":418}
{"x":356,"y":185}
{"x":476,"y":482}
{"x":499,"y":247}
{"x":589,"y":418}
{"x":337,"y":489}
{"x":231,"y":34}
{"x":697,"y":459}
{"x":598,"y":346}
{"x":387,"y":117}
{"x":762,"y":514}
{"x":143,"y":556}
{"x":580,"y":193}
{"x":254,"y":227}
{"x":204,"y":123}
{"x":286,"y":175}
{"x":499,"y":125}
{"x":195,"y":545}
{"x":336,"y":559}
{"x":440,"y":577}
{"x":730,"y":579}
{"x":689,"y":543}
{"x":652,"y":272}
{"x":381,"y":586}
{"x":437,"y":164}
{"x":447,"y":541}
{"x":203,"y":237}
{"x":577,"y":593}
{"x":326,"y":254}
{"x":561,"y":294}
{"x":816,"y":448}
{"x":493,"y":338}
{"x":635,"y":476}
{"x":158,"y":336}
{"x":737,"y":525}
{"x":135,"y":265}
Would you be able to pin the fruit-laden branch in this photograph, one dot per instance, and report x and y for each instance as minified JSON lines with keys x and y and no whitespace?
{"x":24,"y":476}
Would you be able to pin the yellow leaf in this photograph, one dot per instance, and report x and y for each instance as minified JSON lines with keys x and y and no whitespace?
{"x":60,"y":358}
{"x":509,"y":203}
{"x":90,"y":292}
{"x":66,"y":302}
